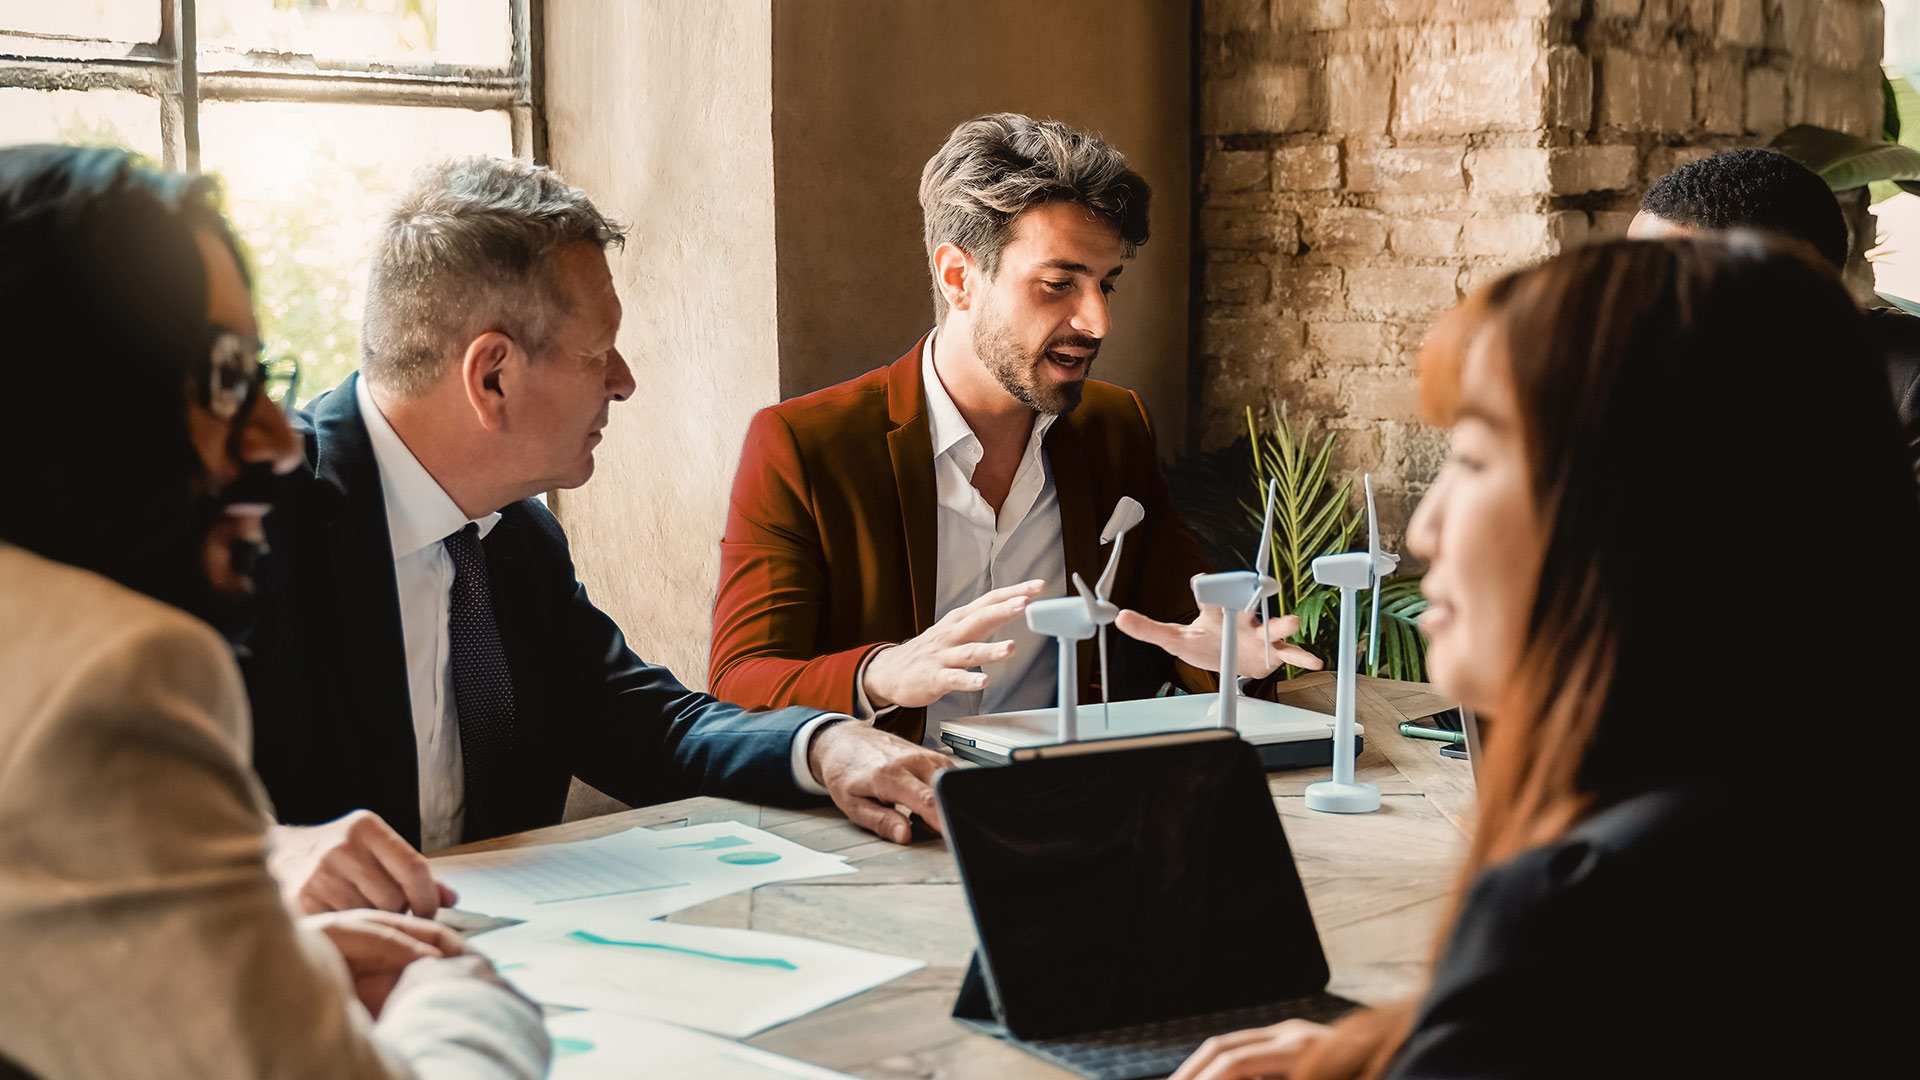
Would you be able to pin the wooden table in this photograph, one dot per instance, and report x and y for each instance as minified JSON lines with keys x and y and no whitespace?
{"x":1378,"y":884}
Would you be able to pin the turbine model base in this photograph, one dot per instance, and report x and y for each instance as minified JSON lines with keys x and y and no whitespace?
{"x":1329,"y":797}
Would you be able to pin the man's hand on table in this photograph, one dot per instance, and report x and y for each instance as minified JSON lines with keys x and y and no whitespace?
{"x":919,"y":672}
{"x":378,"y":946}
{"x":868,"y":772}
{"x":357,"y":861}
{"x":1198,"y":642}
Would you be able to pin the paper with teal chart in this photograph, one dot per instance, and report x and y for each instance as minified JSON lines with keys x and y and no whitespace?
{"x":726,"y":981}
{"x":607,"y":1046}
{"x":648,"y":871}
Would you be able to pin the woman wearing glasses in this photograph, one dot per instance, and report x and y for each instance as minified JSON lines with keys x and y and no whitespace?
{"x":141,"y":932}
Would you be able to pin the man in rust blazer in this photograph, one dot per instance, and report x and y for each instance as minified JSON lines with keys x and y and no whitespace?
{"x":884,"y":532}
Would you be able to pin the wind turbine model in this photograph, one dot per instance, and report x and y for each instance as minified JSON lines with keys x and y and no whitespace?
{"x":1235,"y":592}
{"x":1350,"y":572}
{"x":1072,"y":619}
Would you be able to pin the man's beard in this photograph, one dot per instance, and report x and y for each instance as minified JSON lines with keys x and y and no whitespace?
{"x":1018,"y":369}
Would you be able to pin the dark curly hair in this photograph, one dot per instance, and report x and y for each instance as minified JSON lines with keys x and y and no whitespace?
{"x":1753,"y":189}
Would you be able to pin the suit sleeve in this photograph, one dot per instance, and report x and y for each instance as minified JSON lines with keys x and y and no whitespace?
{"x":773,"y":582}
{"x":1170,"y":555}
{"x":143,"y":933}
{"x":640,"y":734}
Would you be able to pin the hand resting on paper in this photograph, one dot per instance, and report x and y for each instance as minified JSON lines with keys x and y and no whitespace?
{"x":919,"y":672}
{"x":356,"y":861}
{"x":378,"y":946}
{"x":869,"y":772}
{"x":1198,"y":642}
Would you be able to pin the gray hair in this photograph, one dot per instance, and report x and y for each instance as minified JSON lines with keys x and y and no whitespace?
{"x":467,"y":249}
{"x":994,"y":168}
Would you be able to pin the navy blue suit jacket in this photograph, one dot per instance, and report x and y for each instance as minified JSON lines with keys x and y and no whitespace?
{"x":327,"y":672}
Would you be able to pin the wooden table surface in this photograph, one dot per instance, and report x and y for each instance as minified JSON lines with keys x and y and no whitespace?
{"x":1377,"y":883}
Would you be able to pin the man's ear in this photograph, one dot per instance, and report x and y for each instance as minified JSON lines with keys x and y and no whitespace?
{"x":483,"y":370}
{"x":958,"y":279}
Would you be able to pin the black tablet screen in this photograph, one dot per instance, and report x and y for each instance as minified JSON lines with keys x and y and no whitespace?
{"x":1132,"y":885}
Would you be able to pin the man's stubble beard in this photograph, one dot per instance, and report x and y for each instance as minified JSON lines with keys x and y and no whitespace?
{"x":1018,"y":370}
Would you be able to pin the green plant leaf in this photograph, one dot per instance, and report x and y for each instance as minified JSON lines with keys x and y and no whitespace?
{"x":1848,"y":161}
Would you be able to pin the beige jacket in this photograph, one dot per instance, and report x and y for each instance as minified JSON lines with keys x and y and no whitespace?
{"x":140,"y":933}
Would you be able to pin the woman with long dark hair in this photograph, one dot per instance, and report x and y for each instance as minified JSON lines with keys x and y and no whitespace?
{"x":1672,"y":563}
{"x":141,"y":932}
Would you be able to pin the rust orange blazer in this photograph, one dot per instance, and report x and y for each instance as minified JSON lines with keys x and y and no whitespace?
{"x":829,"y":551}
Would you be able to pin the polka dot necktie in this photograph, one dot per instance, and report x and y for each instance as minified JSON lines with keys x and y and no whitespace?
{"x":482,"y":687}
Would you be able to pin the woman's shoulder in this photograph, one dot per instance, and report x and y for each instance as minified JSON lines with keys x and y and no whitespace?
{"x":78,"y":642}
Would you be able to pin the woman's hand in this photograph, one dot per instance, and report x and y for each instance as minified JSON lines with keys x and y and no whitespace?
{"x":378,"y":946}
{"x":1260,"y":1052}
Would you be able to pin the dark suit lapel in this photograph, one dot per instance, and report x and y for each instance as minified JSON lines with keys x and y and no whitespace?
{"x":910,"y":445}
{"x":376,"y":652}
{"x":1079,"y":529}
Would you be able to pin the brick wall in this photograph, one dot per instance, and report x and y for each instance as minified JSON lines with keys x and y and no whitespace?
{"x":1365,"y":162}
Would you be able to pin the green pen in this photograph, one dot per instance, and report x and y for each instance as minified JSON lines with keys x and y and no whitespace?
{"x":1421,"y":731}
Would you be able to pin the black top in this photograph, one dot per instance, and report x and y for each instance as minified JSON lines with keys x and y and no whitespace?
{"x":327,"y":670}
{"x":1898,"y":335}
{"x":1677,"y":933}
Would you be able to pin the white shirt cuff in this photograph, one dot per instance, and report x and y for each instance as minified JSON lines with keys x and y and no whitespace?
{"x":802,"y":743}
{"x":863,"y":709}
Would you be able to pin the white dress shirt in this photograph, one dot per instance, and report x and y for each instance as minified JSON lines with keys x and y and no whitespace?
{"x":420,"y":514}
{"x":977,"y":551}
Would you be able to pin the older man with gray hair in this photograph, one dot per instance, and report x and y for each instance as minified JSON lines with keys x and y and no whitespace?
{"x":427,"y":669}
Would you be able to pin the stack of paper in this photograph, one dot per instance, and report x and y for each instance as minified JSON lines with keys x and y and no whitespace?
{"x":643,"y":872}
{"x":602,"y":1046}
{"x":729,"y":982}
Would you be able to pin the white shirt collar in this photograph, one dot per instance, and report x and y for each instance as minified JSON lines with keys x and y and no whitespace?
{"x":420,"y":513}
{"x":949,"y":428}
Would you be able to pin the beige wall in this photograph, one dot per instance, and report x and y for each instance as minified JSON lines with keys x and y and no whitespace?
{"x":661,"y":112}
{"x":866,"y":91}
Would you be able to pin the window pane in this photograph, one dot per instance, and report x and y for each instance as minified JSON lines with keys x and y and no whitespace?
{"x":89,"y":117}
{"x":113,"y":20}
{"x":305,"y":186}
{"x":466,"y":32}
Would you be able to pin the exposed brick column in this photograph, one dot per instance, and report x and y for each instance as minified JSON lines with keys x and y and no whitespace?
{"x":1365,"y":162}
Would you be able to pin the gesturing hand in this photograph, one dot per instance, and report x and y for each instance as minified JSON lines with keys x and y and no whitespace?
{"x":378,"y":946}
{"x":1261,"y":1052}
{"x":357,"y":861}
{"x":1198,"y":642}
{"x":920,"y":672}
{"x":868,"y":771}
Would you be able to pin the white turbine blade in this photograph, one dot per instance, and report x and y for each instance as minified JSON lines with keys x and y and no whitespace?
{"x":1373,"y":525}
{"x":1373,"y":635}
{"x":1093,"y":602}
{"x":1264,"y":557}
{"x":1382,"y":562}
{"x":1126,"y":514}
{"x":1105,"y":588}
{"x":1093,"y":616}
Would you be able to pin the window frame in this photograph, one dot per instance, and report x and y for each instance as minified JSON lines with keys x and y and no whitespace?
{"x":169,"y":70}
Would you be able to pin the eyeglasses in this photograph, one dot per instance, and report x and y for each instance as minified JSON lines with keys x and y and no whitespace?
{"x":237,"y":374}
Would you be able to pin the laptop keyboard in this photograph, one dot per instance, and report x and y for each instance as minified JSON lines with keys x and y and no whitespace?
{"x":1156,"y":1049}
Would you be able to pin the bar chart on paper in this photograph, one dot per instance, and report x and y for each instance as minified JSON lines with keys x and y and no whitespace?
{"x":642,"y":871}
{"x":555,"y":874}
